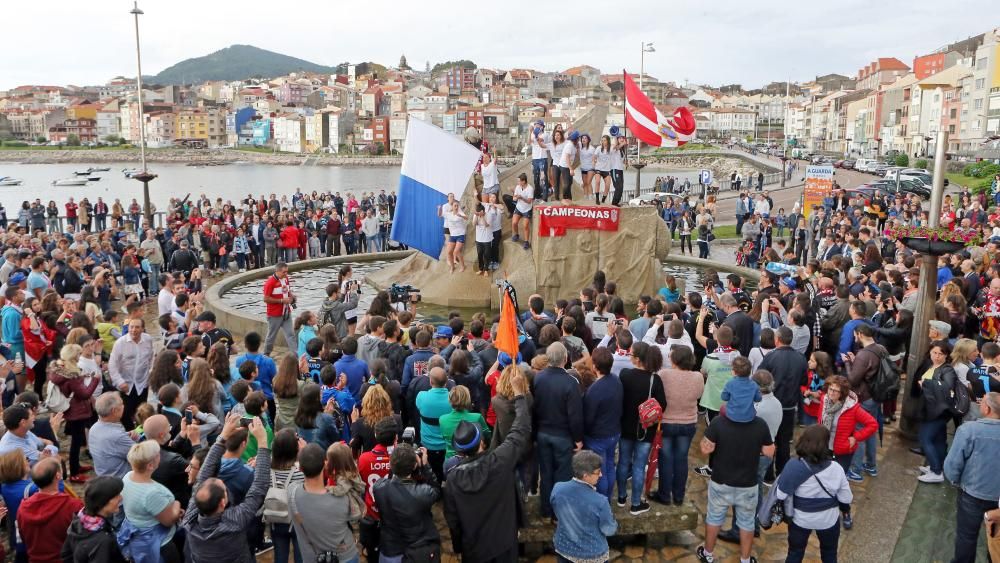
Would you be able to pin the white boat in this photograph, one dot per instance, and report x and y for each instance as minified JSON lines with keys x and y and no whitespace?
{"x":86,"y":172}
{"x":93,"y":178}
{"x":101,"y":169}
{"x":70,"y":182}
{"x":129,"y":172}
{"x":8,"y":181}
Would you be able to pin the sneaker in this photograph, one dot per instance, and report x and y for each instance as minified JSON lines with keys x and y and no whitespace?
{"x":848,"y":522}
{"x":924,"y":469}
{"x":515,"y":238}
{"x":526,"y":246}
{"x":853,"y":475}
{"x":871,"y":470}
{"x":265,"y":546}
{"x":931,"y":477}
{"x":639,"y":508}
{"x":703,"y":557}
{"x":621,"y":502}
{"x":704,"y":471}
{"x":661,"y":499}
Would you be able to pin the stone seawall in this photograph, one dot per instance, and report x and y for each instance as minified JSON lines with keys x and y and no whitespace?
{"x":204,"y":157}
{"x":721,"y":164}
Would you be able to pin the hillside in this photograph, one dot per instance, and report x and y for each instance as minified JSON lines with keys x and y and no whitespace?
{"x":235,"y":63}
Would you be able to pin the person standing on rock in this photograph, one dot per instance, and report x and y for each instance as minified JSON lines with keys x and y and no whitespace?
{"x":618,"y":160}
{"x":522,"y":200}
{"x":279,"y":299}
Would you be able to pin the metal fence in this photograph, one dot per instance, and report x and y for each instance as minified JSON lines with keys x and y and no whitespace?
{"x":158,"y":221}
{"x":770,"y":179}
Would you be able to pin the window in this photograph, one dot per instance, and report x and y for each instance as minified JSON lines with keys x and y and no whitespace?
{"x":981,"y":63}
{"x":975,"y":125}
{"x":953,"y":113}
{"x":977,"y":103}
{"x":980,"y":83}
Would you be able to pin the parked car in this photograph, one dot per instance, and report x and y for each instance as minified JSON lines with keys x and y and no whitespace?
{"x":848,"y":164}
{"x":838,"y":164}
{"x":880,"y":169}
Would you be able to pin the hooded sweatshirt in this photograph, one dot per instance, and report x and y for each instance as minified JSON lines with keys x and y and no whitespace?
{"x":237,"y":476}
{"x":43,"y":521}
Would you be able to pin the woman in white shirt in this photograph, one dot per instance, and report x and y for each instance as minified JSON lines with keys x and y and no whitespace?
{"x":491,"y":177}
{"x":556,"y":144}
{"x":586,"y":165}
{"x":455,"y":220}
{"x":567,"y":160}
{"x":484,"y":236}
{"x":602,"y":167}
{"x":494,"y":215}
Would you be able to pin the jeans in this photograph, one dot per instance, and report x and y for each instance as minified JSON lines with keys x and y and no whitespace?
{"x":934,"y":440}
{"x":674,"y":461}
{"x":702,"y":249}
{"x":495,"y":247}
{"x":154,"y":279}
{"x":604,"y":447}
{"x":271,"y":253}
{"x":373,"y":244}
{"x":740,"y":218}
{"x":783,"y":440}
{"x":283,"y":324}
{"x":77,"y":430}
{"x":483,"y":256}
{"x":291,"y":255}
{"x":555,"y":455}
{"x":798,"y":537}
{"x":284,"y":543}
{"x":101,"y":221}
{"x":632,"y":458}
{"x":687,"y":238}
{"x":333,"y":245}
{"x":538,"y":176}
{"x":866,"y":449}
{"x":968,"y":522}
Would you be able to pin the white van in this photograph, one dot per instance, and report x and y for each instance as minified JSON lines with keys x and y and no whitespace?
{"x":865,"y":164}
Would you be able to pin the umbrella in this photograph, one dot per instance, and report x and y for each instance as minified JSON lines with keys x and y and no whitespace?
{"x":654,"y":459}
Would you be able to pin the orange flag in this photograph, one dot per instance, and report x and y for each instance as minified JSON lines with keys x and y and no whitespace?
{"x":506,"y":339}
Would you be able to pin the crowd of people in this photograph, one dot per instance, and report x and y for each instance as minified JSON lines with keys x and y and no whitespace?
{"x":184,"y":442}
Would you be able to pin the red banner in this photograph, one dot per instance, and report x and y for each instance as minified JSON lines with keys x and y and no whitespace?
{"x":553,"y":220}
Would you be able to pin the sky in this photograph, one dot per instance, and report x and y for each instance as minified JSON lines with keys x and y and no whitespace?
{"x":61,"y":42}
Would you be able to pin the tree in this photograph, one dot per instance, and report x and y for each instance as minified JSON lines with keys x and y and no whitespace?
{"x":41,"y":139}
{"x":922,"y":164}
{"x":73,"y":140}
{"x":113,"y":139}
{"x":448,"y":64}
{"x":902,"y":160}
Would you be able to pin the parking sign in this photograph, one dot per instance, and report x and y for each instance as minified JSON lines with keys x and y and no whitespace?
{"x":705,"y":177}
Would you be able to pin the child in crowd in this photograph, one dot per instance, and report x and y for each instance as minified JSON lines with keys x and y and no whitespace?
{"x":142,"y":412}
{"x":248,"y":373}
{"x":819,"y":369}
{"x":335,"y":387}
{"x":740,"y":393}
{"x":255,"y":404}
{"x":240,"y":390}
{"x":314,"y":363}
{"x":781,"y":221}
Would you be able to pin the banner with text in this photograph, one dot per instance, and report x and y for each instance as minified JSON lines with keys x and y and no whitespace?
{"x":553,"y":220}
{"x":819,"y":184}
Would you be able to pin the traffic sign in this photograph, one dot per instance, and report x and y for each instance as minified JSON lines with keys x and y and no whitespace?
{"x":705,"y":177}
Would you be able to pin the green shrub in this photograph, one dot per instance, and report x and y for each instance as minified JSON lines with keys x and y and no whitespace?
{"x":902,"y":160}
{"x":922,"y":164}
{"x":15,"y":144}
{"x":969,"y":170}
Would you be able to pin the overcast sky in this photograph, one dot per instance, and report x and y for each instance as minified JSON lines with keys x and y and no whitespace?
{"x":63,"y":42}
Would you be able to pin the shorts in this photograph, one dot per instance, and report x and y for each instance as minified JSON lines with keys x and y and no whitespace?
{"x":525,"y":214}
{"x":604,"y":173}
{"x":494,"y":189}
{"x":133,"y":289}
{"x":742,"y":499}
{"x":459,"y":238}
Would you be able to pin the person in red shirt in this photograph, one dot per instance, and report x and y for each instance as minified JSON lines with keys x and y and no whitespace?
{"x":289,"y":238}
{"x":71,"y":208}
{"x":280,"y":300}
{"x":44,"y":518}
{"x":373,"y":466}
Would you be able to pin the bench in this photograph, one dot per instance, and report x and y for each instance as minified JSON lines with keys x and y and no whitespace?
{"x":654,"y":526}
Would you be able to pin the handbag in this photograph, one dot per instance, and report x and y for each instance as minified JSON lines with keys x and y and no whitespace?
{"x":650,"y":411}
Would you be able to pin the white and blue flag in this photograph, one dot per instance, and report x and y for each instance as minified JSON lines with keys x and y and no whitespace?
{"x":435,"y":164}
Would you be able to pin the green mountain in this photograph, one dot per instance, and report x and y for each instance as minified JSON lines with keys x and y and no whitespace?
{"x":235,"y":63}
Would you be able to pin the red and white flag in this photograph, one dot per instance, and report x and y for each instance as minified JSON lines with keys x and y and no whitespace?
{"x":652,"y":127}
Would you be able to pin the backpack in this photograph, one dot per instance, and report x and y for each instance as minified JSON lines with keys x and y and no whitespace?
{"x":961,"y":399}
{"x":275,"y":509}
{"x":885,"y":385}
{"x":55,"y":401}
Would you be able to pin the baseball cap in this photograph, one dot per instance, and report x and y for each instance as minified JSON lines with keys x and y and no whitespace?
{"x":443,"y":331}
{"x":206,"y":316}
{"x":16,"y":278}
{"x":789,"y":283}
{"x":574,"y":135}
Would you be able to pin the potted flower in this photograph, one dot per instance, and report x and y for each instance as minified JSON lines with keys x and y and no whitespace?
{"x":935,"y":241}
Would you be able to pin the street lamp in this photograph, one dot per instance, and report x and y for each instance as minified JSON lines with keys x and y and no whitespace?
{"x":144,"y":176}
{"x":638,"y":164}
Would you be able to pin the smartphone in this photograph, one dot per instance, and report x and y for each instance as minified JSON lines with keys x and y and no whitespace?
{"x":245,"y":422}
{"x":620,"y":322}
{"x":188,"y":416}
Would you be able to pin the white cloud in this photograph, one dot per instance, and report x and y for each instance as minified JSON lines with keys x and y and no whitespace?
{"x":70,"y":42}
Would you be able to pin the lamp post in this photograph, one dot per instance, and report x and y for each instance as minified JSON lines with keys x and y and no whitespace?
{"x":924,"y":313}
{"x":144,"y":176}
{"x":637,"y":163}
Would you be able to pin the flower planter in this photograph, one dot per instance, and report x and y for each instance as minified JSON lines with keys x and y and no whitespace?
{"x":932,"y":247}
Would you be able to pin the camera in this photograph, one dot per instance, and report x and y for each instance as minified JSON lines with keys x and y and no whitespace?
{"x":403,"y":293}
{"x":409,"y":435}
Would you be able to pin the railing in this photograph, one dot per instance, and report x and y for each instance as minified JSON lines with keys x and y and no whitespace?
{"x":723,"y":185}
{"x":159,"y":220}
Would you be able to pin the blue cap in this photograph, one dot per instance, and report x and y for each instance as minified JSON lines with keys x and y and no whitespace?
{"x":16,"y":278}
{"x":789,"y":283}
{"x":615,"y":131}
{"x":443,"y":331}
{"x":574,"y":135}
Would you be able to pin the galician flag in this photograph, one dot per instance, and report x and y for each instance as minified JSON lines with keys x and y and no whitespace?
{"x":652,"y":127}
{"x":435,"y":164}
